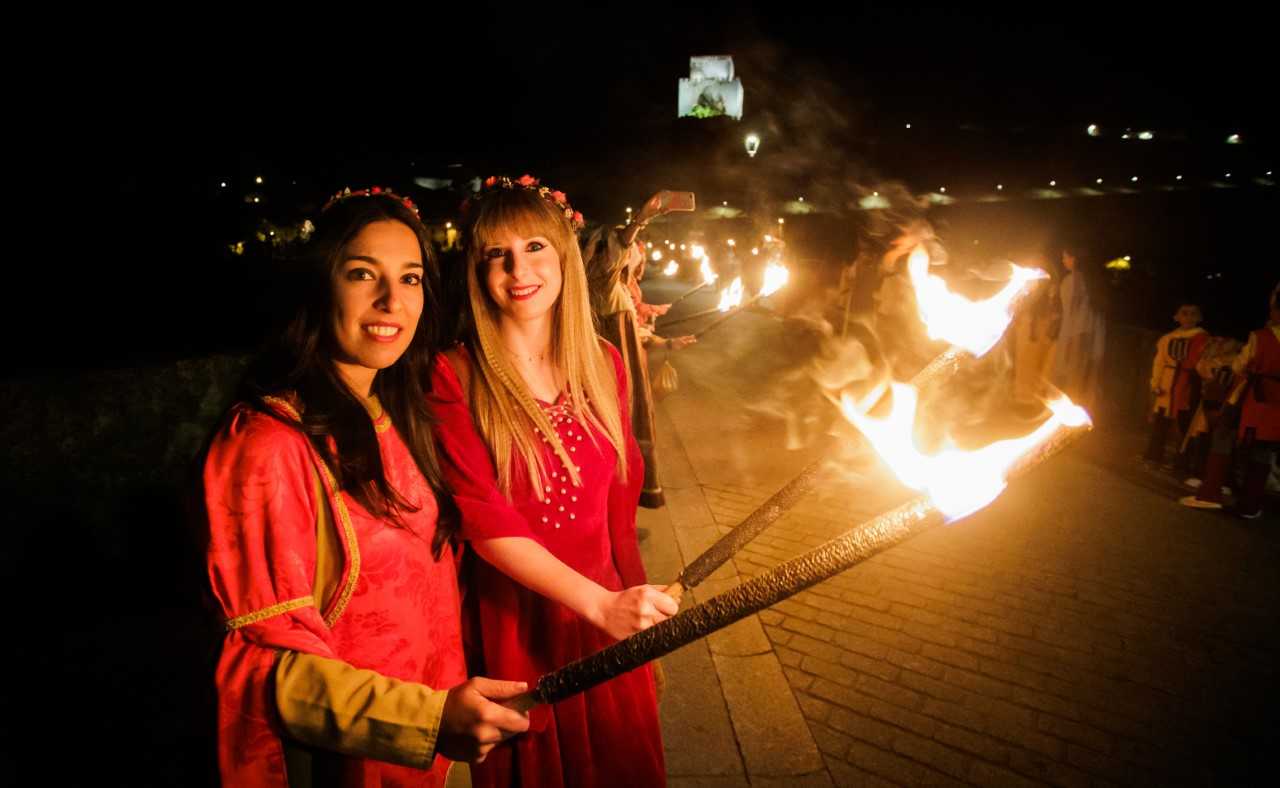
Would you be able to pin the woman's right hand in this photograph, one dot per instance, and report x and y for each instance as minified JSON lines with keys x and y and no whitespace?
{"x":472,"y":723}
{"x":624,"y":613}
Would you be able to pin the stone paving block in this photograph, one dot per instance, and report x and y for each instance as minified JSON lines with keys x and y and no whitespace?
{"x":890,"y":692}
{"x":982,"y":746}
{"x":814,"y":648}
{"x":866,"y":729}
{"x":773,"y":738}
{"x":830,"y":741}
{"x":707,"y":782}
{"x":1075,"y":732}
{"x":930,"y":686}
{"x":798,"y":679}
{"x":788,"y":658}
{"x":696,"y":729}
{"x":846,"y":775}
{"x":896,"y":768}
{"x":778,"y":637}
{"x":818,"y":779}
{"x":977,"y":683}
{"x":986,"y":774}
{"x":955,"y":713}
{"x":1048,"y":703}
{"x":828,"y":670}
{"x":874,"y":667}
{"x":741,"y":639}
{"x":936,"y":755}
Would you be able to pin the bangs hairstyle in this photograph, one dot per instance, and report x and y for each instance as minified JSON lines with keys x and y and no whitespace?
{"x":299,"y":362}
{"x":510,"y":420}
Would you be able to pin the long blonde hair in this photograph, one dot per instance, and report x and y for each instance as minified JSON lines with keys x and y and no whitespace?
{"x":505,"y":412}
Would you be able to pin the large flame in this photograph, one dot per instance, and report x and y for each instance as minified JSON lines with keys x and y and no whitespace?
{"x":958,"y":482}
{"x":975,"y":326}
{"x":672,"y":268}
{"x":775,"y":276}
{"x":731,"y":296}
{"x":709,"y":276}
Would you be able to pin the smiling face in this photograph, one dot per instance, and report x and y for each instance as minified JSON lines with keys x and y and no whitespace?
{"x":522,"y":276}
{"x":377,"y":301}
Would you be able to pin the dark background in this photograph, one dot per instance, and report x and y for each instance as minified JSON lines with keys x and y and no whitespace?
{"x":139,"y":141}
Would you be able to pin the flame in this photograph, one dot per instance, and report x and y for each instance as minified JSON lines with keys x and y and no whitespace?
{"x":958,"y":482}
{"x":709,"y":276}
{"x":775,"y":276}
{"x":672,"y":268}
{"x":731,"y":296}
{"x":975,"y":326}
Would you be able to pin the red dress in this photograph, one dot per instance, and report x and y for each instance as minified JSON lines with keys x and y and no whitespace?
{"x":1260,"y":406}
{"x":609,"y":735}
{"x":396,"y":611}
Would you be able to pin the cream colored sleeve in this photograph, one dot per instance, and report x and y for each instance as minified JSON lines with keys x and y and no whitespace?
{"x":1158,"y":363}
{"x":329,"y":704}
{"x":1246,"y":355}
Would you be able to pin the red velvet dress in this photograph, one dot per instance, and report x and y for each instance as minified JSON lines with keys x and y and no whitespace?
{"x":609,"y":735}
{"x":396,"y":611}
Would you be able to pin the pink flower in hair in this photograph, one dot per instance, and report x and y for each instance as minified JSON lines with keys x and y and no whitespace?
{"x":577,"y":217}
{"x":491,"y":181}
{"x":527,"y":180}
{"x":376,"y":190}
{"x":559,"y":197}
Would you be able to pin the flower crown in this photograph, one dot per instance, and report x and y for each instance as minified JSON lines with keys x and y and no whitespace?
{"x":557,"y":198}
{"x":372,"y":191}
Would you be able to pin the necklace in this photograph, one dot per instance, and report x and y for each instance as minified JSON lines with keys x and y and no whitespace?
{"x":525,"y":358}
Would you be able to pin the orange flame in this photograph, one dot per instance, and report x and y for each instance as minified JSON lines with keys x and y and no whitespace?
{"x":775,"y":276}
{"x":709,"y":276}
{"x":975,"y":326}
{"x":958,"y":482}
{"x":731,"y":296}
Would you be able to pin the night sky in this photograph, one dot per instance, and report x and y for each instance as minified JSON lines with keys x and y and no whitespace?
{"x":153,"y":122}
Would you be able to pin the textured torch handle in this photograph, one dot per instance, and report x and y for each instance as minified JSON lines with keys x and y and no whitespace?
{"x":785,"y":580}
{"x":751,"y":597}
{"x":756,"y":522}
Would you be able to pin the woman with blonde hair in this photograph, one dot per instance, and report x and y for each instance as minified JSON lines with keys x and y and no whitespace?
{"x":535,"y":440}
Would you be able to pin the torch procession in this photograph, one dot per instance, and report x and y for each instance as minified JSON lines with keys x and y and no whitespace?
{"x":632,"y":396}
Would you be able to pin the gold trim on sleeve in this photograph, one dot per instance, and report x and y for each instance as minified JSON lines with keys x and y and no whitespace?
{"x":353,"y":548}
{"x":285,"y":406}
{"x":268,"y":612}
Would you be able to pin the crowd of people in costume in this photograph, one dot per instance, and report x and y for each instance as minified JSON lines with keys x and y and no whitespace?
{"x":1214,"y":418}
{"x":1221,"y":401}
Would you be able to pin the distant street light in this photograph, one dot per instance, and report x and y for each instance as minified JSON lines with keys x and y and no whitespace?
{"x":752,"y":144}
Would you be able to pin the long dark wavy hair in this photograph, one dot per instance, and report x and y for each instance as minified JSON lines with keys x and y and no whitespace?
{"x":299,"y":361}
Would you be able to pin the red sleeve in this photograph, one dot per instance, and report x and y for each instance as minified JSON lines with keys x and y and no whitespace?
{"x":467,"y":463}
{"x":261,"y":520}
{"x":624,"y":496}
{"x":1197,"y":350}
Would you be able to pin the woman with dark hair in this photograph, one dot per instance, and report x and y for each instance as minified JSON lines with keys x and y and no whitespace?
{"x":330,"y":528}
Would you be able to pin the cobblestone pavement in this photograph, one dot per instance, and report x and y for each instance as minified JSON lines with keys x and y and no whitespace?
{"x":1083,"y":630}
